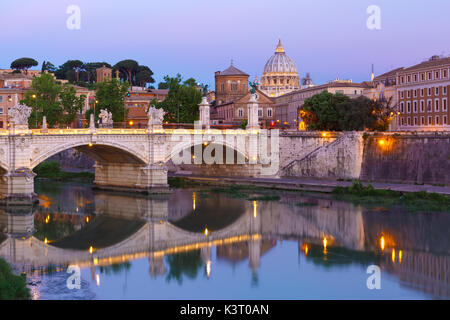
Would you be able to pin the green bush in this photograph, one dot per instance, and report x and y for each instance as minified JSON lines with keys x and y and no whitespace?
{"x":52,"y":170}
{"x":12,"y":287}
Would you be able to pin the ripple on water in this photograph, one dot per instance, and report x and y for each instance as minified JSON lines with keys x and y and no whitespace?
{"x":54,"y":287}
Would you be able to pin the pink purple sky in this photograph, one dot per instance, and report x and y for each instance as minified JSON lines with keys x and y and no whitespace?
{"x":327,"y":38}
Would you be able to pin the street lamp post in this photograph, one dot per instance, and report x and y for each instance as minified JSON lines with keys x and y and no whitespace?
{"x":35,"y":108}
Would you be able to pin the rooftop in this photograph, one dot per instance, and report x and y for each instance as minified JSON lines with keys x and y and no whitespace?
{"x":232,"y":71}
{"x":434,"y":61}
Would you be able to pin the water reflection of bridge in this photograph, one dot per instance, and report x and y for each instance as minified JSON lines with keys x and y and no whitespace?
{"x":415,"y":246}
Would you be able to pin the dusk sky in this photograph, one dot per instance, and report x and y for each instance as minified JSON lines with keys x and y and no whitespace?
{"x":327,"y":38}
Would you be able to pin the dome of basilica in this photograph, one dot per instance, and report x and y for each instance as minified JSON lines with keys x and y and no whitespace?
{"x":280,"y":62}
{"x":280,"y":75}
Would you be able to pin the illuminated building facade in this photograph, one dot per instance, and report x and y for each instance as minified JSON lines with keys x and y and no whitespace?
{"x":423,"y":95}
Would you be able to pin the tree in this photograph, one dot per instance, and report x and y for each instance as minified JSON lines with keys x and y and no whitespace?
{"x":110,"y":95}
{"x":44,"y":99}
{"x":48,"y":98}
{"x":48,"y":66}
{"x":70,"y":70}
{"x":163,"y":85}
{"x":128,"y":68}
{"x":338,"y":112}
{"x":71,"y":104}
{"x":322,"y":111}
{"x":181,"y":104}
{"x":23,"y":64}
{"x":144,"y":76}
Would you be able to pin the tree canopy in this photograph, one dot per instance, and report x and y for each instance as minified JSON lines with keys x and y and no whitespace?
{"x":58,"y":103}
{"x":23,"y":64}
{"x":135,"y":74}
{"x":48,"y":66}
{"x":110,"y":95}
{"x":181,"y":104}
{"x":338,"y":112}
{"x":84,"y":74}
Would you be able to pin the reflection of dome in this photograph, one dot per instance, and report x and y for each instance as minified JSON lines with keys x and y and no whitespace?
{"x":280,"y":74}
{"x":280,"y":62}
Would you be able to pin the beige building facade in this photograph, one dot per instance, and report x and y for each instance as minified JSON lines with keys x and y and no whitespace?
{"x":423,"y":96}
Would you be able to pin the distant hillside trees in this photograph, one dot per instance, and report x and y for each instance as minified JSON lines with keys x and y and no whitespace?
{"x":23,"y":64}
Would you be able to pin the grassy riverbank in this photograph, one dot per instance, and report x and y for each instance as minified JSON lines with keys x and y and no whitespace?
{"x":411,"y":201}
{"x":12,"y":287}
{"x":52,"y":170}
{"x":357,"y":194}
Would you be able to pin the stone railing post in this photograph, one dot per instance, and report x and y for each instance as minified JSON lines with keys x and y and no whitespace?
{"x":204,"y":114}
{"x":92,"y":123}
{"x":252,"y":110}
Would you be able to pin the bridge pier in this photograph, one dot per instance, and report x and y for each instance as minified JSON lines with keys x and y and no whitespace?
{"x":131,"y":177}
{"x":17,"y":187}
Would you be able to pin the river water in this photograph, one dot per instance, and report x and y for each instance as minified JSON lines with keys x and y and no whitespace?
{"x":193,"y":244}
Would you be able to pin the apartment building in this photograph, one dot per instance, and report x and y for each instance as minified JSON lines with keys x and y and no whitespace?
{"x":423,"y":95}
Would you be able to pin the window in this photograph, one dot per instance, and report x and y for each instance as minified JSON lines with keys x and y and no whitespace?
{"x":429,"y":109}
{"x":437,"y":120}
{"x":444,"y":90}
{"x":422,"y":92}
{"x":260,"y":112}
{"x":222,"y":87}
{"x":415,"y":93}
{"x":415,"y":106}
{"x":436,"y":75}
{"x":422,"y":106}
{"x":1,"y":99}
{"x":402,"y":107}
{"x":408,"y":107}
{"x":234,"y":86}
{"x":415,"y":121}
{"x":402,"y":94}
{"x":444,"y":73}
{"x":430,"y":75}
{"x":437,"y":91}
{"x":444,"y":104}
{"x":409,"y":121}
{"x":429,"y":91}
{"x":403,"y":121}
{"x":415,"y":78}
{"x":422,"y":76}
{"x":409,"y":94}
{"x":436,"y":105}
{"x":430,"y":121}
{"x":1,"y":110}
{"x":444,"y":120}
{"x":269,"y":112}
{"x":422,"y":121}
{"x":240,"y":112}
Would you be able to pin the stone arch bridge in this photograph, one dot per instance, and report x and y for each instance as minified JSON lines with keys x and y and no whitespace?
{"x":125,"y":158}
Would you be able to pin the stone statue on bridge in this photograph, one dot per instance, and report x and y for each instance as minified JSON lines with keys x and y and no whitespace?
{"x":155,"y":118}
{"x":19,"y":115}
{"x":106,"y":119}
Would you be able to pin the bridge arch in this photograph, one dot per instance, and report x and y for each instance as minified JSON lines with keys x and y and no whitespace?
{"x":177,"y":149}
{"x":103,"y":152}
